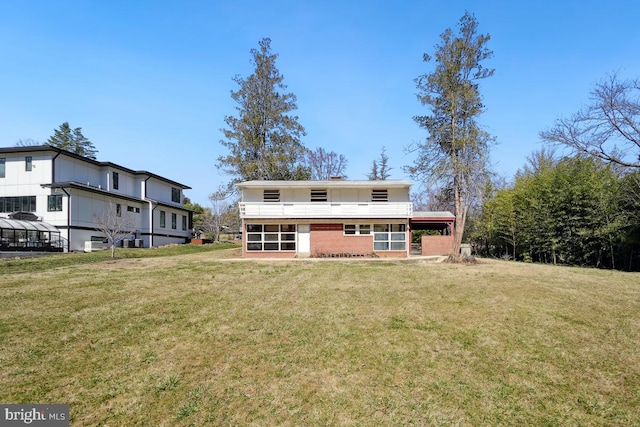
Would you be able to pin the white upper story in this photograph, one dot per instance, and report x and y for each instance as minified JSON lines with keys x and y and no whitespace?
{"x":325,"y":199}
{"x":34,"y":170}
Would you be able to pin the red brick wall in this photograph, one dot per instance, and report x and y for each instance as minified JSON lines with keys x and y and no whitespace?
{"x":437,"y":245}
{"x":334,"y":242}
{"x":328,"y":239}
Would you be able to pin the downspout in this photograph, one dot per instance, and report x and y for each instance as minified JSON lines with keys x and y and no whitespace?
{"x":151,"y":209}
{"x":68,"y":219}
{"x":53,"y":181}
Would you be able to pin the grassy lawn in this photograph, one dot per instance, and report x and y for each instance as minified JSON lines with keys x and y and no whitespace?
{"x":197,"y":339}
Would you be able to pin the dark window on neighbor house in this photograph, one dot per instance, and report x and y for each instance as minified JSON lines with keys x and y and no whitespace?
{"x":379,"y":195}
{"x":54,"y":203}
{"x":319,"y":195}
{"x":271,"y":195}
{"x":118,"y":209}
{"x":18,"y":204}
{"x":175,"y":195}
{"x":116,"y":180}
{"x":163,"y":219}
{"x":28,"y":163}
{"x":174,"y":221}
{"x":184,"y":222}
{"x":2,"y":164}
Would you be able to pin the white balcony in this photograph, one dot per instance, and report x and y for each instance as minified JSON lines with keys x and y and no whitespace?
{"x":325,"y":210}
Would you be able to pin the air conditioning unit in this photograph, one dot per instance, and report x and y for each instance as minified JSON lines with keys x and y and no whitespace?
{"x":92,"y":246}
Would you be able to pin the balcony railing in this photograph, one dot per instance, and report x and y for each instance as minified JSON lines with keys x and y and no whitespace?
{"x":325,"y":210}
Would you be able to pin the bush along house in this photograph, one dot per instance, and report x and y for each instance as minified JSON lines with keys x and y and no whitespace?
{"x":336,"y":218}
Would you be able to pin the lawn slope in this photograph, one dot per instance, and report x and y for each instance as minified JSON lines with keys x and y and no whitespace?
{"x":198,"y":339}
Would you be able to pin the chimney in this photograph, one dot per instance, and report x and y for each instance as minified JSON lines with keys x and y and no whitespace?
{"x":336,"y":178}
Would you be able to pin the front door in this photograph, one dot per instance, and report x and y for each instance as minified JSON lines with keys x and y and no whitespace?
{"x":304,"y":239}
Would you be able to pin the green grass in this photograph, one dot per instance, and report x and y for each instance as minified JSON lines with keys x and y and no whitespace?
{"x":197,"y":340}
{"x":56,"y":260}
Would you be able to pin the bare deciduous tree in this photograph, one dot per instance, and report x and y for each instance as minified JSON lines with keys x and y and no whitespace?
{"x":609,"y":128}
{"x":219,"y":208}
{"x":324,"y":165}
{"x":115,"y":225}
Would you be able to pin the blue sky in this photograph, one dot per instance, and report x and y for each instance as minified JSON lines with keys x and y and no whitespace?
{"x":149,"y":81}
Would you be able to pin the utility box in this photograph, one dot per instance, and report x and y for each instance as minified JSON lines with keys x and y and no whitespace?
{"x":465,"y":249}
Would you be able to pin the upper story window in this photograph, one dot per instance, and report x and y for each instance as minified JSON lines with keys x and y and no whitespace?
{"x":54,"y":203}
{"x":2,"y":164}
{"x":175,"y":195}
{"x":379,"y":195}
{"x":319,"y":195}
{"x":116,"y":180}
{"x":271,"y":195}
{"x":28,"y":163}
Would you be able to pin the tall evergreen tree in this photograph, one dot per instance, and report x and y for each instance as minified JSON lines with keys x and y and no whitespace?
{"x":72,"y":140}
{"x":263,"y":139}
{"x":456,"y":151}
{"x":380,"y":168}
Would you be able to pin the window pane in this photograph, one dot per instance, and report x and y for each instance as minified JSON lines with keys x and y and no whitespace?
{"x":349,"y":229}
{"x":271,"y":246}
{"x":288,"y":227}
{"x":2,"y":162}
{"x":381,"y":246}
{"x":271,"y":237}
{"x":380,"y":227}
{"x":398,"y":236}
{"x":287,"y":236}
{"x":288,"y":246}
{"x":272,"y":228}
{"x":365,"y":229}
{"x":381,"y":236}
{"x":398,"y":246}
{"x":398,"y":227}
{"x":254,"y":246}
{"x":27,"y":163}
{"x":256,"y":228}
{"x":254,"y":237}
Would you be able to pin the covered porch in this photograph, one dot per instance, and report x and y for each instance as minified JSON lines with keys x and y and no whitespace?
{"x":432,"y":233}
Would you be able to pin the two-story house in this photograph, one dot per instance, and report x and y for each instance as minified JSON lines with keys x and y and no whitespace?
{"x":331,"y":218}
{"x":69,"y":192}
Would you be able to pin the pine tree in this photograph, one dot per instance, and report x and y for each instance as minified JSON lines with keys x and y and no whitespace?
{"x":72,"y":140}
{"x":455,"y":153}
{"x":263,"y":139}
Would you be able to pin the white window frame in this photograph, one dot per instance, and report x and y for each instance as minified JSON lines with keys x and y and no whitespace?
{"x":391,"y":239}
{"x":271,"y":237}
{"x":358,"y":229}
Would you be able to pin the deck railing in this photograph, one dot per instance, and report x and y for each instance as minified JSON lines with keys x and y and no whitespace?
{"x":325,"y":210}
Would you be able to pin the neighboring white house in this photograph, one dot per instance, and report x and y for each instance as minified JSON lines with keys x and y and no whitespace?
{"x":332,"y":218}
{"x":69,"y":192}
